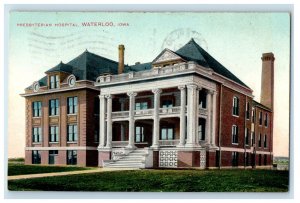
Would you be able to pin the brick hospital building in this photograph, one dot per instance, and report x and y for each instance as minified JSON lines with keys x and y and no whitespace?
{"x":183,"y":109}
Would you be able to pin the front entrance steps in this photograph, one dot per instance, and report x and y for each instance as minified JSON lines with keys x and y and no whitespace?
{"x":134,"y":159}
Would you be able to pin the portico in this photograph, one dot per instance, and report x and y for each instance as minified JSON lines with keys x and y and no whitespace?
{"x":182,"y":103}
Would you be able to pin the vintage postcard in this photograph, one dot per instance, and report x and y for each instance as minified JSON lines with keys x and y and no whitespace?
{"x":149,"y":101}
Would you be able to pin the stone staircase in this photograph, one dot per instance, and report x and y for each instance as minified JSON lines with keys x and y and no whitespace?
{"x":134,"y":159}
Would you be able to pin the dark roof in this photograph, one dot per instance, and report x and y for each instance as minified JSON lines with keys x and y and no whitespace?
{"x":193,"y":52}
{"x":255,"y":103}
{"x":88,"y":66}
{"x":61,"y":67}
{"x":43,"y":81}
{"x":138,"y":67}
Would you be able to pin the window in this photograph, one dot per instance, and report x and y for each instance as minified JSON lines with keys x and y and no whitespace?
{"x":37,"y":134}
{"x":141,"y":105}
{"x":265,"y":141}
{"x":72,"y":133}
{"x":53,"y":107}
{"x":260,"y":118}
{"x":202,"y":99}
{"x":37,"y":109}
{"x":139,"y":134}
{"x":247,"y":159}
{"x":72,"y":105}
{"x":53,"y":156}
{"x":252,"y":139}
{"x":259,"y":159}
{"x":266,"y":120}
{"x":54,"y":133}
{"x":235,"y":106}
{"x":54,"y":81}
{"x":253,"y":115}
{"x":36,"y":157}
{"x":235,"y":158}
{"x":234,"y":134}
{"x":265,"y":159}
{"x":248,"y":111}
{"x":167,"y":104}
{"x":201,"y":132}
{"x":71,"y":157}
{"x":259,"y":140}
{"x":247,"y":136}
{"x":167,"y":133}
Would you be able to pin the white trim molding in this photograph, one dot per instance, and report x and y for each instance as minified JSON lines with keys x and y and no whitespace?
{"x":61,"y":148}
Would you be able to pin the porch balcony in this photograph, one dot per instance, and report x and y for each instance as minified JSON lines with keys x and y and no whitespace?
{"x":163,"y":112}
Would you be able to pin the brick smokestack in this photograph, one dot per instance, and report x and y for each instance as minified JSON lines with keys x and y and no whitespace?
{"x":121,"y":59}
{"x":267,"y":80}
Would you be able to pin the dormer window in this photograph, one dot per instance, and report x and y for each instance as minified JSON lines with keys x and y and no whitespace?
{"x":54,"y":81}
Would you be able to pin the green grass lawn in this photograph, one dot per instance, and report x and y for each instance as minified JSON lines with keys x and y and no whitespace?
{"x":21,"y":169}
{"x":163,"y":180}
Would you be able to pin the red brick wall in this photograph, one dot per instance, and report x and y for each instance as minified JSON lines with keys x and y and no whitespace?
{"x":81,"y":157}
{"x":188,"y":159}
{"x":44,"y":157}
{"x":228,"y":119}
{"x":102,"y":156}
{"x":155,"y":159}
{"x":226,"y":158}
{"x":62,"y":157}
{"x":261,"y":129}
{"x":85,"y":119}
{"x":28,"y":157}
{"x":210,"y":159}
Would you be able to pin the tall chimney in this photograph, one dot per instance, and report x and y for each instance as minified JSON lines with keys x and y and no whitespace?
{"x":267,"y":80}
{"x":121,"y":59}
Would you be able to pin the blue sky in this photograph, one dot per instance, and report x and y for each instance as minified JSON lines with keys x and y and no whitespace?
{"x":237,"y":40}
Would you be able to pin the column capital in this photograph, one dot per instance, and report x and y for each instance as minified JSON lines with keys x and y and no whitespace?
{"x":212,"y":92}
{"x":131,"y":94}
{"x":108,"y":96}
{"x":101,"y":96}
{"x":192,"y":86}
{"x":156,"y":91}
{"x":181,"y":87}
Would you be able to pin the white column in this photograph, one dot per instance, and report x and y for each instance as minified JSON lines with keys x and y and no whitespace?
{"x":131,"y":118}
{"x":213,"y":118}
{"x":197,"y":116}
{"x":122,"y":101}
{"x":191,"y":115}
{"x":102,"y":123}
{"x":109,"y":122}
{"x":155,"y":136}
{"x":208,"y":118}
{"x":182,"y":115}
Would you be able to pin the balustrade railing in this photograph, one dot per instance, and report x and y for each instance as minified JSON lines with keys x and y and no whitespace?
{"x":120,"y":114}
{"x":168,"y":142}
{"x":143,"y":112}
{"x":171,"y":110}
{"x":180,"y":67}
{"x":119,"y":143}
{"x":150,"y":112}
